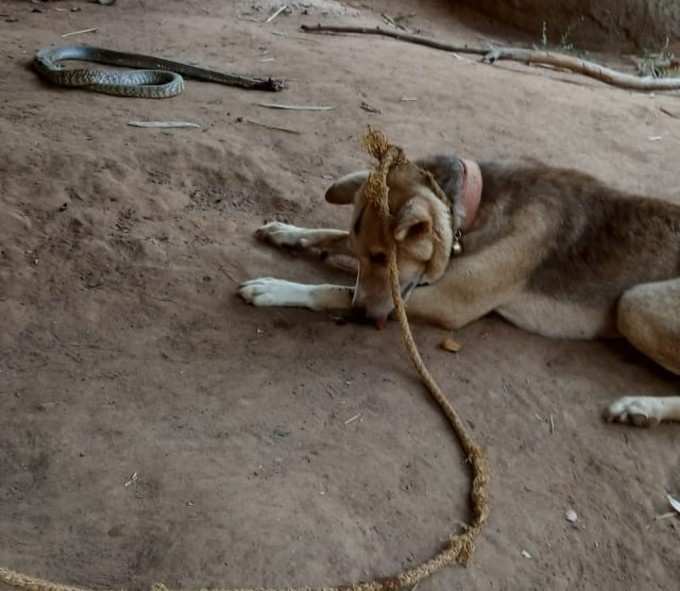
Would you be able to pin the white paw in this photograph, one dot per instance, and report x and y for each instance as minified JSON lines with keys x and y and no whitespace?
{"x":280,"y":234}
{"x":641,"y":411}
{"x":267,"y":291}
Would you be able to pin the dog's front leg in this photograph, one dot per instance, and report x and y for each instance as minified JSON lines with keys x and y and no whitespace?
{"x":644,"y":411}
{"x":287,"y":236}
{"x":268,"y":291}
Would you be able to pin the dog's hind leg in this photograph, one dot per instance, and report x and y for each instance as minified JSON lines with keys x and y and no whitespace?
{"x":287,"y":236}
{"x":644,"y":411}
{"x":649,"y":317}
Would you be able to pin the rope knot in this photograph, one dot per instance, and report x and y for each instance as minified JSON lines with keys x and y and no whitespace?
{"x":375,"y":142}
{"x":388,"y":156}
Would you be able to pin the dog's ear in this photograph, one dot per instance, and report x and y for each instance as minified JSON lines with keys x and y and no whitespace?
{"x":413,"y":219}
{"x":342,"y":191}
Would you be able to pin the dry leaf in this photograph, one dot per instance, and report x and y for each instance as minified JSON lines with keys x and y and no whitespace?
{"x":448,"y":344}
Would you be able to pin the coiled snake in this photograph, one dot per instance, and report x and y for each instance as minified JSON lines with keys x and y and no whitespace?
{"x":156,"y":78}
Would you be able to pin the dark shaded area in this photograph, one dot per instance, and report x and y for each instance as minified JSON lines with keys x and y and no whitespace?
{"x":601,"y":24}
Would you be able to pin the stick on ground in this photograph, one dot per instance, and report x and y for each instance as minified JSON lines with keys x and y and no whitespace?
{"x":277,"y":13}
{"x":295,"y":107}
{"x":83,"y":31}
{"x":274,"y":127}
{"x":164,"y":124}
{"x":526,"y":56}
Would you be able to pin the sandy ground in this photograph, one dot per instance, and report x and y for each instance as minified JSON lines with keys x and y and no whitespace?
{"x":274,"y":447}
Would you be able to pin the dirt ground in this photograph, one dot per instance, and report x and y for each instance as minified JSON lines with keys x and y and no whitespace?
{"x":274,"y":447}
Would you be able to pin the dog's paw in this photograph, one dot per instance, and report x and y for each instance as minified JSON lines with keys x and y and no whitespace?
{"x":280,"y":234}
{"x":641,"y":411}
{"x":267,"y":291}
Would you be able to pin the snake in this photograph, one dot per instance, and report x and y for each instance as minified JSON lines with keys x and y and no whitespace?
{"x":152,"y":77}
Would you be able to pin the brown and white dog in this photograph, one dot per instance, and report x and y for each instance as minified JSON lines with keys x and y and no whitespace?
{"x":553,"y":251}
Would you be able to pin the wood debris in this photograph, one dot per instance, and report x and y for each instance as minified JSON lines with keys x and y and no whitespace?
{"x":352,"y":419}
{"x":164,"y":124}
{"x":519,"y":54}
{"x":81,"y":32}
{"x":366,"y":107}
{"x":296,"y":107}
{"x":669,"y":113}
{"x":131,"y":480}
{"x":274,"y":127}
{"x":277,"y":13}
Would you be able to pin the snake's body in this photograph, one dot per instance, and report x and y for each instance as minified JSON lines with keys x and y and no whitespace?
{"x":153,"y":77}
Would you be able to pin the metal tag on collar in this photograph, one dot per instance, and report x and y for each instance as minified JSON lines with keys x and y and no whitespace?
{"x":457,"y":246}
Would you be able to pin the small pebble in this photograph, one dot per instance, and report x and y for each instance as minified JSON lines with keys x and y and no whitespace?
{"x":571,"y":516}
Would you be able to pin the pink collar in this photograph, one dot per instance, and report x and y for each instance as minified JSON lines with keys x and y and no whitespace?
{"x":472,"y":191}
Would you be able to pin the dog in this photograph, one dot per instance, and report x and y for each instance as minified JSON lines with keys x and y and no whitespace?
{"x":554,"y":251}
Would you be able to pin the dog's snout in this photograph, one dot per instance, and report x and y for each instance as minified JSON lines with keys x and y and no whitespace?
{"x":362,"y":315}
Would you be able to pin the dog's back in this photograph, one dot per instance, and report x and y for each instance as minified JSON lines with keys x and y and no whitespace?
{"x":597,"y":243}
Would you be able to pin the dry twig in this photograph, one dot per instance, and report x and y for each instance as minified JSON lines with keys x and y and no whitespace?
{"x":295,"y":107}
{"x":527,"y":56}
{"x":73,"y":33}
{"x":276,"y":128}
{"x":277,"y":13}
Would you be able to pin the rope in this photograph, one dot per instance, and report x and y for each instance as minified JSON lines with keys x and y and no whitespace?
{"x":460,"y":547}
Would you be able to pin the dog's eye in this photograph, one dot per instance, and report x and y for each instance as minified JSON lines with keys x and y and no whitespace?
{"x":378,"y":258}
{"x":418,"y":229}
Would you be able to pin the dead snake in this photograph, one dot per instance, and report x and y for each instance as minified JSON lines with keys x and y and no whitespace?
{"x":156,"y":78}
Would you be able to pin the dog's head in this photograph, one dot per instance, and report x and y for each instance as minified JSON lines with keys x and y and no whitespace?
{"x":419,"y":226}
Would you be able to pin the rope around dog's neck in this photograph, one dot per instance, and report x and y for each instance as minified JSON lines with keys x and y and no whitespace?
{"x":377,"y":194}
{"x":460,"y":546}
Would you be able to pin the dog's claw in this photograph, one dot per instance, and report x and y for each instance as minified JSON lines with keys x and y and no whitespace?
{"x":281,"y":234}
{"x":268,"y":291}
{"x":638,"y":411}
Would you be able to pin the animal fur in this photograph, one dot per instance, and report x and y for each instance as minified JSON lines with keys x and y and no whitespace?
{"x":554,"y":251}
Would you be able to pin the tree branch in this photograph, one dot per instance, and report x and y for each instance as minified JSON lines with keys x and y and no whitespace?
{"x":527,"y":56}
